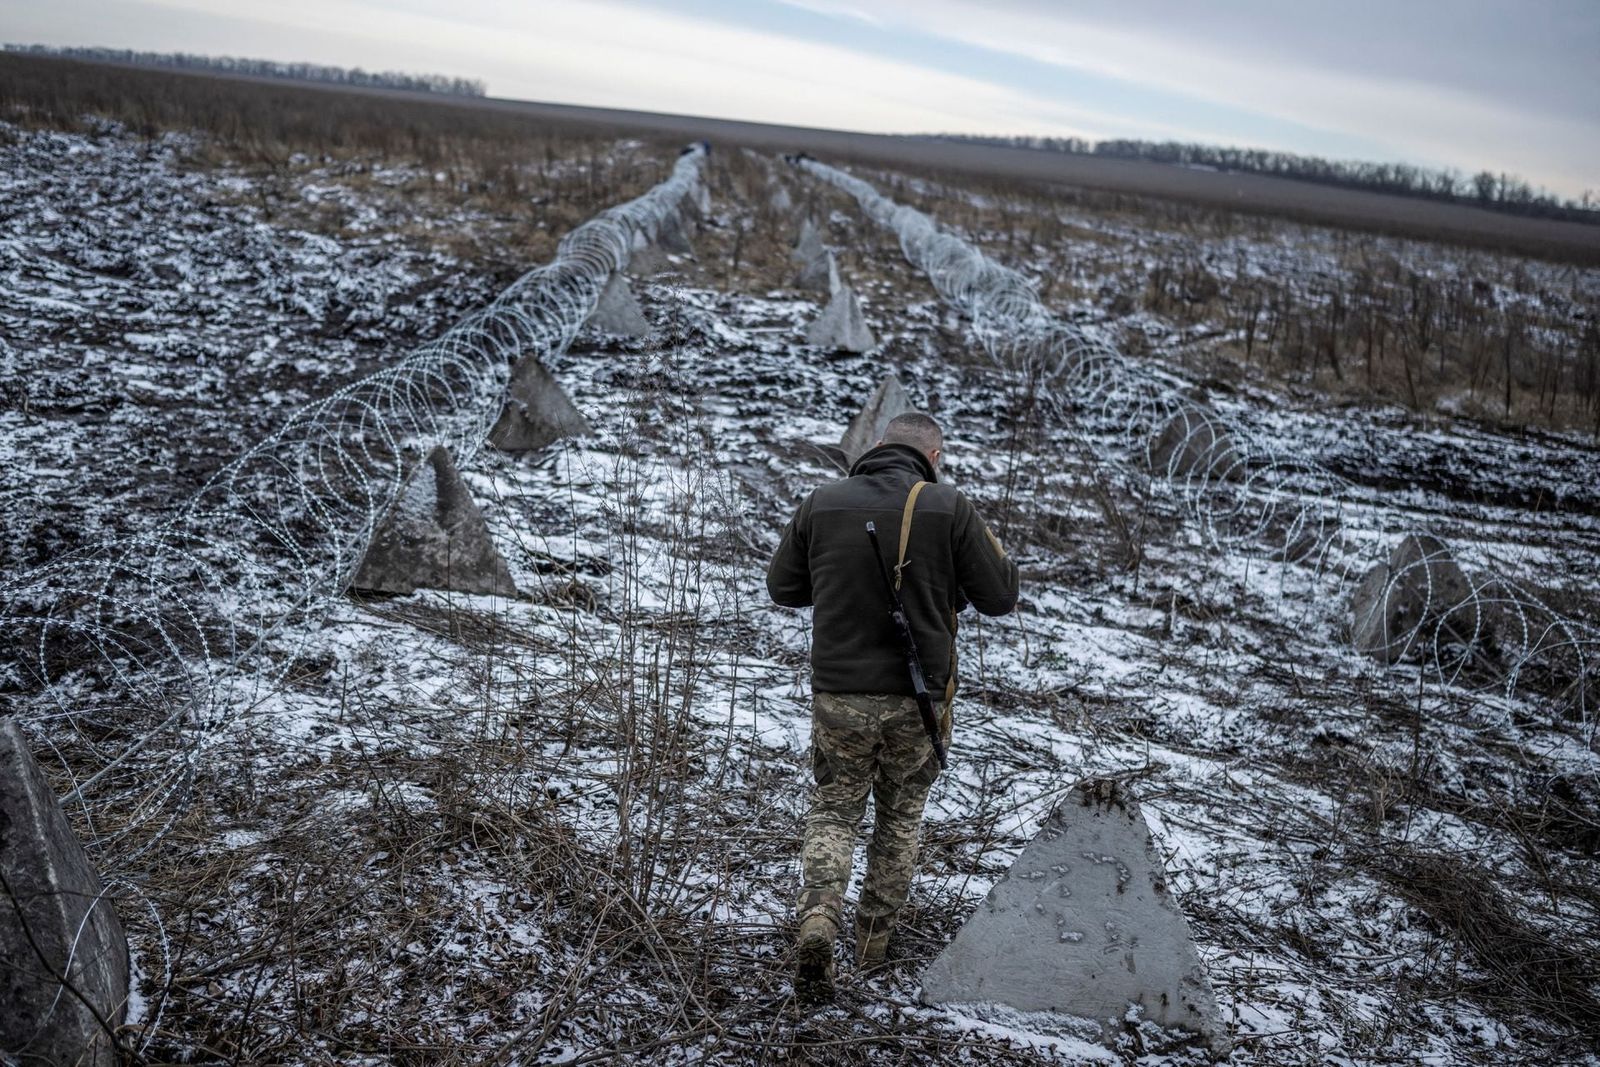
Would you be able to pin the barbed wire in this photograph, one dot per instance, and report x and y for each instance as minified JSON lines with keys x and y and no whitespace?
{"x":132,"y":655}
{"x":1410,"y":598}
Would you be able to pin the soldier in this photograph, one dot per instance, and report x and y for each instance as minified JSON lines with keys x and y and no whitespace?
{"x":867,"y":735}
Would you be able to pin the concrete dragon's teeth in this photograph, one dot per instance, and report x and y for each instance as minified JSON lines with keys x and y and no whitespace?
{"x":434,"y":538}
{"x":842,"y":327}
{"x":617,"y":311}
{"x":1083,"y":924}
{"x":55,"y":920}
{"x":866,"y":429}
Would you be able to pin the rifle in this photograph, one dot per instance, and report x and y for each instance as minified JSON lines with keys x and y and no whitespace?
{"x":908,"y":642}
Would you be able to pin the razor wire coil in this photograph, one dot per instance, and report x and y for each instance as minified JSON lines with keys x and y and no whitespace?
{"x":136,"y":652}
{"x":1246,"y":494}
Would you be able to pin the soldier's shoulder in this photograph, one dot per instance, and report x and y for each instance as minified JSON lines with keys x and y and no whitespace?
{"x":831,"y":490}
{"x":945,"y":497}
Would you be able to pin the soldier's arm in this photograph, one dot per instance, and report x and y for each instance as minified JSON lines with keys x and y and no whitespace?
{"x":987,"y":576}
{"x":789,"y":573}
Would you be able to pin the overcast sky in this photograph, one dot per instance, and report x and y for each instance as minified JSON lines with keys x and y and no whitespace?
{"x":1511,"y":85}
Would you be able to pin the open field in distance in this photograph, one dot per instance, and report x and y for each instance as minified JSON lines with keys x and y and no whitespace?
{"x":1225,"y":191}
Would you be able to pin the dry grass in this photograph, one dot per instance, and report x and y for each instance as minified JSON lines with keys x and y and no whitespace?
{"x":1510,"y":965}
{"x":532,"y":178}
{"x":1497,"y":336}
{"x":544,"y":866}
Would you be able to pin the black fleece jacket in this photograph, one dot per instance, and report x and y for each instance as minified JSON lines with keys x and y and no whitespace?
{"x":825,"y":560}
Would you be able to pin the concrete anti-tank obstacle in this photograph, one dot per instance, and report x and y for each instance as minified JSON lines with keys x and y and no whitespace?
{"x":1083,"y":925}
{"x":646,"y":261}
{"x":649,"y":256}
{"x":670,"y":236}
{"x":696,"y":204}
{"x":817,"y":267}
{"x":434,"y":538}
{"x":537,"y":410}
{"x":808,"y":243}
{"x":867,"y":428}
{"x":646,"y":258}
{"x":841,"y":327}
{"x":820,"y":273}
{"x":58,"y":928}
{"x":1420,"y":585}
{"x":617,"y":311}
{"x":1193,"y":446}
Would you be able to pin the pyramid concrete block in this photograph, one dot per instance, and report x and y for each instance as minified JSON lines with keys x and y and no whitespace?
{"x":866,"y":429}
{"x":1193,"y":445}
{"x":58,"y":928}
{"x":696,"y":204}
{"x":1083,"y":925}
{"x":808,"y":244}
{"x":841,"y":327}
{"x":537,"y":411}
{"x":819,"y":274}
{"x":617,"y":311}
{"x":689,"y":208}
{"x":1403,"y":599}
{"x":834,"y":455}
{"x":648,"y":260}
{"x":434,"y":537}
{"x":672,"y":237}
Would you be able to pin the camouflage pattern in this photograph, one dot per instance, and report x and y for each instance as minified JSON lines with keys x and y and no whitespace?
{"x":865,"y":743}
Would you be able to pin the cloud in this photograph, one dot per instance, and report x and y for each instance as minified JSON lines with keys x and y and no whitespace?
{"x":611,"y":54}
{"x":1332,"y":80}
{"x":836,"y":9}
{"x":1430,"y":110}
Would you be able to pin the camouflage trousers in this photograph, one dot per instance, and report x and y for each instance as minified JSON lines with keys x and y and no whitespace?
{"x":865,"y":743}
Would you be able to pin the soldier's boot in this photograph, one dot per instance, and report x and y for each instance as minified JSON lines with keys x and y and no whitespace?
{"x":813,"y":975}
{"x":872,"y":941}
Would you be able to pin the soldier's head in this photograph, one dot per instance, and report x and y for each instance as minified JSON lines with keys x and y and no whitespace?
{"x":918,"y":431}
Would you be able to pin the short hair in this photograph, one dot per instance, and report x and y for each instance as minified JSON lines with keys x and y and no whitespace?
{"x":914,"y":429}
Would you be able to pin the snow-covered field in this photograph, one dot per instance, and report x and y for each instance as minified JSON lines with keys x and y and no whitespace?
{"x":562,"y":827}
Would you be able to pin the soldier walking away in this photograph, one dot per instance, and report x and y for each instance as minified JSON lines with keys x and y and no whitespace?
{"x":867,"y":730}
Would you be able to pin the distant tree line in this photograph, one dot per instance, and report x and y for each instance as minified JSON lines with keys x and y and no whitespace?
{"x":1501,"y":192}
{"x":266,"y":68}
